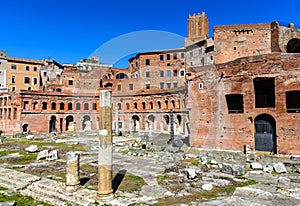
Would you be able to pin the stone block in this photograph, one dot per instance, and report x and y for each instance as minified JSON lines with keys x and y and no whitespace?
{"x":280,"y":168}
{"x":256,"y":166}
{"x":42,"y":154}
{"x":207,"y":187}
{"x":32,"y":148}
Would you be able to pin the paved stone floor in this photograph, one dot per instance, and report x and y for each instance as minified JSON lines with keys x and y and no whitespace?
{"x":271,"y":189}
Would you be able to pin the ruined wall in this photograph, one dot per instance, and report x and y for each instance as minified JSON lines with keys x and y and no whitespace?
{"x":34,"y":111}
{"x":235,"y":41}
{"x":211,"y":123}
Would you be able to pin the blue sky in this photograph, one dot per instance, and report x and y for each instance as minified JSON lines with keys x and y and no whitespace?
{"x":68,"y":31}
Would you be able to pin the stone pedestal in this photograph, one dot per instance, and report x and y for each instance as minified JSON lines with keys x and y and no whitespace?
{"x":72,"y":176}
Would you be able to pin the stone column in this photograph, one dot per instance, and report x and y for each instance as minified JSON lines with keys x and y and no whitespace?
{"x":72,"y":176}
{"x":105,"y":146}
{"x":117,"y":121}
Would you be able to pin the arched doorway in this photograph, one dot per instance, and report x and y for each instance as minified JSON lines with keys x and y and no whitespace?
{"x":86,"y":123}
{"x":151,"y":122}
{"x":136,"y":123}
{"x":293,"y":46}
{"x":52,"y":124}
{"x":265,"y":133}
{"x":69,"y":123}
{"x":25,"y":127}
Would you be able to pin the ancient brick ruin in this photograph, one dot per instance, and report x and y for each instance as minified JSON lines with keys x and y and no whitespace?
{"x":237,"y":90}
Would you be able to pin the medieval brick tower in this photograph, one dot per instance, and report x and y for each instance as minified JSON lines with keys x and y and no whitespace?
{"x":198,"y":28}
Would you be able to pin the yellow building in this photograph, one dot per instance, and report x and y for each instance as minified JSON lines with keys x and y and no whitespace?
{"x":23,"y":74}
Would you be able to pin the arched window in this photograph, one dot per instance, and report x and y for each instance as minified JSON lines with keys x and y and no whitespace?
{"x":151,"y":105}
{"x":53,"y":106}
{"x":159,"y":105}
{"x":173,"y":104}
{"x":62,"y":106}
{"x":166,"y":104}
{"x":70,"y":106}
{"x":86,"y":106}
{"x":135,"y":105}
{"x":77,"y":106}
{"x":127,"y":106}
{"x":44,"y":105}
{"x":119,"y":106}
{"x":94,"y":106}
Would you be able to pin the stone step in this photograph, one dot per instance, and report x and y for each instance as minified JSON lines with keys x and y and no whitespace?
{"x":15,"y":180}
{"x":54,"y":193}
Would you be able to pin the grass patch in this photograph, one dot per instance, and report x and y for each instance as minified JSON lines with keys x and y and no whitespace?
{"x":59,"y":145}
{"x":131,"y":183}
{"x":20,"y":199}
{"x":193,"y":161}
{"x":161,"y":178}
{"x":204,"y":195}
{"x":23,"y":158}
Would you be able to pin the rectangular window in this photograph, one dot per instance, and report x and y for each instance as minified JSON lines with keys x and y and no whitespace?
{"x":13,"y":66}
{"x":27,"y":80}
{"x":175,"y":73}
{"x":147,"y":74}
{"x":147,"y":86}
{"x":161,"y":73}
{"x":25,"y":106}
{"x":13,"y":79}
{"x":161,"y":57}
{"x":34,"y":81}
{"x":147,"y":61}
{"x":175,"y":84}
{"x":161,"y":85}
{"x":119,"y":87}
{"x":168,"y":73}
{"x":169,"y":85}
{"x":27,"y":68}
{"x":15,"y":113}
{"x":175,"y":56}
{"x":130,"y":86}
{"x":35,"y":69}
{"x":264,"y":92}
{"x":235,"y":103}
{"x":182,"y":73}
{"x":292,"y":101}
{"x":70,"y":83}
{"x":182,"y":55}
{"x":168,"y":56}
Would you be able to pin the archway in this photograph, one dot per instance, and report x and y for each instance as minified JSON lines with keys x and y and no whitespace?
{"x":69,"y":123}
{"x":86,"y":123}
{"x":136,"y":123}
{"x":265,"y":133}
{"x":52,"y":124}
{"x":151,"y":122}
{"x":25,"y":127}
{"x":293,"y":46}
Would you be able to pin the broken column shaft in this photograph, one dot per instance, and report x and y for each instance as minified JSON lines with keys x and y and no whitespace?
{"x":72,"y":176}
{"x":105,"y":145}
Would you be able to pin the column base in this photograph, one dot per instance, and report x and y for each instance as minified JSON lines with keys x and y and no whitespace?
{"x":104,"y":197}
{"x":72,"y":188}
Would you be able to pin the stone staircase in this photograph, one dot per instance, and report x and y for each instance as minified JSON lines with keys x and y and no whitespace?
{"x":45,"y":190}
{"x":14,"y":180}
{"x":54,"y":193}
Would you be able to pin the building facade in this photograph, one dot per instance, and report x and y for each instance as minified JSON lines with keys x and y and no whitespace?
{"x":249,"y":97}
